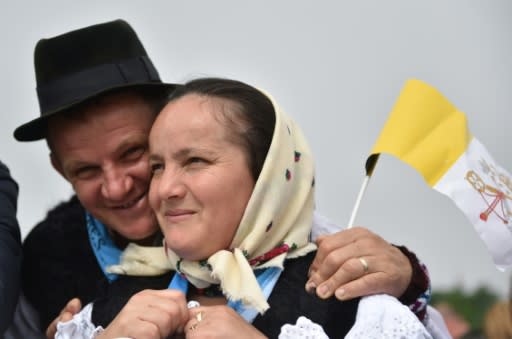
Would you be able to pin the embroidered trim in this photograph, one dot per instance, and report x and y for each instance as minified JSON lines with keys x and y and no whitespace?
{"x":418,"y":293}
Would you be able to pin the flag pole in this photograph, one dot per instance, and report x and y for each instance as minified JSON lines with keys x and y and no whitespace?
{"x":370,"y":166}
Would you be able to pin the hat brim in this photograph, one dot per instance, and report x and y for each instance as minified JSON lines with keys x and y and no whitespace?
{"x":36,"y":129}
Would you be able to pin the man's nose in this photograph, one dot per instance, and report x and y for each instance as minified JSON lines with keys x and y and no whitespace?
{"x":116,"y":184}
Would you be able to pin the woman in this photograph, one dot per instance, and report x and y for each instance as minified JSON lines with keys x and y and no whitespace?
{"x":231,"y":177}
{"x":239,"y":173}
{"x":233,"y":191}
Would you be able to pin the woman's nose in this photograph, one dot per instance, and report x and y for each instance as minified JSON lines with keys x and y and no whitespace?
{"x":171,"y":185}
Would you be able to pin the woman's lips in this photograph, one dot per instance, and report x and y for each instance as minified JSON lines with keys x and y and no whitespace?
{"x":177,"y":215}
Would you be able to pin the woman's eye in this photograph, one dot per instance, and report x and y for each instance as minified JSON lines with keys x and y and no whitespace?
{"x":155,"y":168}
{"x":195,"y":160}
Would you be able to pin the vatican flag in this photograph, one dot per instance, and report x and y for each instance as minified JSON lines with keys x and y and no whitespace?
{"x":430,"y":134}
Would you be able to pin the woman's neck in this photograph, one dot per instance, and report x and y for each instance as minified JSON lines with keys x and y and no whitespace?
{"x":206,"y":300}
{"x":210,"y":296}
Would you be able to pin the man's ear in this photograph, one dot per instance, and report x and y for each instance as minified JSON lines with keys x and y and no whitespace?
{"x":57,"y":165}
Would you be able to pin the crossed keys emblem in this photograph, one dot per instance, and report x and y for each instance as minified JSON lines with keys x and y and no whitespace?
{"x":494,"y":198}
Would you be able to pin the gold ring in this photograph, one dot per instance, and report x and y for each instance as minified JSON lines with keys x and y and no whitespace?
{"x":365,"y":265}
{"x":199,"y":316}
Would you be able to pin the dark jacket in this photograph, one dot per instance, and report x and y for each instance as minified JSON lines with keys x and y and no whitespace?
{"x":289,"y":300}
{"x":10,"y":248}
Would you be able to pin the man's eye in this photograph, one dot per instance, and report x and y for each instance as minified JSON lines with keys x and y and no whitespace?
{"x":85,"y":172}
{"x":134,"y":153}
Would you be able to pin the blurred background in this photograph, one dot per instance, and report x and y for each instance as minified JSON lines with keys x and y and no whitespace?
{"x":337,"y":68}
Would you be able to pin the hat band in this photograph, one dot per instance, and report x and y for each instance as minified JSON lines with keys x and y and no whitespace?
{"x":80,"y":85}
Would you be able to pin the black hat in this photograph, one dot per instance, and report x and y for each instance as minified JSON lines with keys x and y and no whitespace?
{"x":81,"y":64}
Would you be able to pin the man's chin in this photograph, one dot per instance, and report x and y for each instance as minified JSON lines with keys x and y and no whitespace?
{"x":141,"y":234}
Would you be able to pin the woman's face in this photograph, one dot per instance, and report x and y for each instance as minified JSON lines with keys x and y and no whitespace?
{"x":201,"y":181}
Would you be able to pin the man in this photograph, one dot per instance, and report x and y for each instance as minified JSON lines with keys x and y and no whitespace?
{"x":99,"y":94}
{"x":10,"y":248}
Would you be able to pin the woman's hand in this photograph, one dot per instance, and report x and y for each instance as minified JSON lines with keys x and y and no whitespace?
{"x":150,"y":314}
{"x":219,"y":322}
{"x":356,"y":262}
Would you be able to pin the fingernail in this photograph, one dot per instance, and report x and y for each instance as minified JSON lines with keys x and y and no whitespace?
{"x":323,"y":290}
{"x":340,"y":294}
{"x":311,"y":287}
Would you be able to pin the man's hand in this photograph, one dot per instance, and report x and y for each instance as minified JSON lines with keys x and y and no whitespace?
{"x":72,"y":307}
{"x":150,"y":314}
{"x":356,"y":262}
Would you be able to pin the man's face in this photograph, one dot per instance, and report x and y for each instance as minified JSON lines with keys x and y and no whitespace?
{"x":103,"y":154}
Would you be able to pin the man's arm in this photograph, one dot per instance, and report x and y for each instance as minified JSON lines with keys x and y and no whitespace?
{"x":10,"y":248}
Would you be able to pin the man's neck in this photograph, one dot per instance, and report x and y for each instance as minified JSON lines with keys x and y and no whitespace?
{"x":121,"y":242}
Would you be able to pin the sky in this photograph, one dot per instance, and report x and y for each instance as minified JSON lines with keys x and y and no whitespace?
{"x":336,"y":67}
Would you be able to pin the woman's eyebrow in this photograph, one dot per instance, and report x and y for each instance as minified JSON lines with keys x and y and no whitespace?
{"x":186,"y":152}
{"x":154,"y":157}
